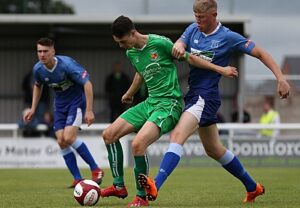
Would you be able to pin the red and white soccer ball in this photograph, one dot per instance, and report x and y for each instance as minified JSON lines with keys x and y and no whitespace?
{"x":87,"y":193}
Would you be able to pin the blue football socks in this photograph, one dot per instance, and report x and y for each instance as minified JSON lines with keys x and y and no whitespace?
{"x":232,"y":164}
{"x":169,"y":163}
{"x":85,"y":154}
{"x":71,"y":162}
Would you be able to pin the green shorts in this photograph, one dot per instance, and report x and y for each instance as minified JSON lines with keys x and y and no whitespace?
{"x":165,"y":113}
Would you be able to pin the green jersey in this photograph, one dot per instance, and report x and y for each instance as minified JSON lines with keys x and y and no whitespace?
{"x":154,"y":62}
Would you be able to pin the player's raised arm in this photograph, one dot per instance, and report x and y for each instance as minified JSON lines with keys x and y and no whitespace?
{"x":134,"y":87}
{"x":178,"y":51}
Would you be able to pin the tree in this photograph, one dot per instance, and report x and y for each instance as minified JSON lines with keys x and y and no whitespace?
{"x":35,"y":7}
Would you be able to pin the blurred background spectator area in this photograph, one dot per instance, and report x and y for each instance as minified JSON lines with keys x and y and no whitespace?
{"x":35,"y":7}
{"x":89,"y":41}
{"x":74,"y":24}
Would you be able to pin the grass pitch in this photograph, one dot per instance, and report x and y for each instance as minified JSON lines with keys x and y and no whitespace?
{"x":187,"y":187}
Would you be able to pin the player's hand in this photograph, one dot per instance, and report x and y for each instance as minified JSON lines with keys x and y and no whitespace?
{"x":178,"y":50}
{"x":283,"y":89}
{"x":127,"y":98}
{"x":27,"y":115}
{"x":89,"y":117}
{"x":230,"y":71}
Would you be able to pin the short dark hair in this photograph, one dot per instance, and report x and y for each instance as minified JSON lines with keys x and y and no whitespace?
{"x":45,"y":42}
{"x":122,"y":26}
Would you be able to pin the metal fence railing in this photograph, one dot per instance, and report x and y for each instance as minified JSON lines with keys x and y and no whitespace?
{"x":232,"y":128}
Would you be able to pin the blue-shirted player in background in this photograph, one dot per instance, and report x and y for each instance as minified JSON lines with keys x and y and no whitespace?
{"x":73,"y":99}
{"x":210,"y":40}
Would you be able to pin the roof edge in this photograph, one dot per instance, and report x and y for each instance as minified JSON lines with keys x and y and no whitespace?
{"x":107,"y":19}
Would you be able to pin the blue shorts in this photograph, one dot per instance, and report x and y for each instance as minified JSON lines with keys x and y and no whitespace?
{"x":70,"y":115}
{"x":204,"y":109}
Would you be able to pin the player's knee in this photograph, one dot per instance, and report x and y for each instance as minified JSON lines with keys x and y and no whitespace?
{"x":61,"y":142}
{"x":108,"y":136}
{"x":68,"y":137}
{"x":105,"y":136}
{"x":177,"y":137}
{"x":210,"y":153}
{"x":214,"y":152}
{"x":138,"y":148}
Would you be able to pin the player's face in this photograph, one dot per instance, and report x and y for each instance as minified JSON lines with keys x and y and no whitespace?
{"x":205,"y":21}
{"x":127,"y":41}
{"x":45,"y":54}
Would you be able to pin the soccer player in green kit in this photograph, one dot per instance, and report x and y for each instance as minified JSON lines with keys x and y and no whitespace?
{"x":151,"y":55}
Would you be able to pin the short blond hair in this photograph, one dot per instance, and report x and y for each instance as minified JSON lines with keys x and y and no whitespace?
{"x":203,"y":6}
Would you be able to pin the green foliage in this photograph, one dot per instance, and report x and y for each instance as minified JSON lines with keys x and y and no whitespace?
{"x":187,"y":187}
{"x":35,"y":7}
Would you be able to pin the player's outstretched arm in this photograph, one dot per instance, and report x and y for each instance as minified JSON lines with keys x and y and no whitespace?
{"x":134,"y":87}
{"x":178,"y":51}
{"x":194,"y":60}
{"x":283,"y":88}
{"x":89,"y":116}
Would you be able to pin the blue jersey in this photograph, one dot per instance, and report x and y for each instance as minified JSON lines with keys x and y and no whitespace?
{"x":66,"y":78}
{"x":217,"y":48}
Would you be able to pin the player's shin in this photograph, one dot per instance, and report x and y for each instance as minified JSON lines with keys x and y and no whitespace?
{"x":141,"y":167}
{"x":232,"y":164}
{"x":169,"y":163}
{"x":115,"y":158}
{"x":71,"y":162}
{"x":84,"y":153}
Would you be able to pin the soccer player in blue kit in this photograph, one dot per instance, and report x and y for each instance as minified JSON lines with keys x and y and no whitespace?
{"x":209,"y":39}
{"x":73,"y":99}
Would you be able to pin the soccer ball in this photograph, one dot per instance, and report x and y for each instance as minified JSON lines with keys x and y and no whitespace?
{"x":87,"y":193}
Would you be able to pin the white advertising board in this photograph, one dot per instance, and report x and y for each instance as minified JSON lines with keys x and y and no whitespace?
{"x":45,"y":153}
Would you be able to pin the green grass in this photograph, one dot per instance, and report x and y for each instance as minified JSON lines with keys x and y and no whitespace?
{"x":187,"y":187}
